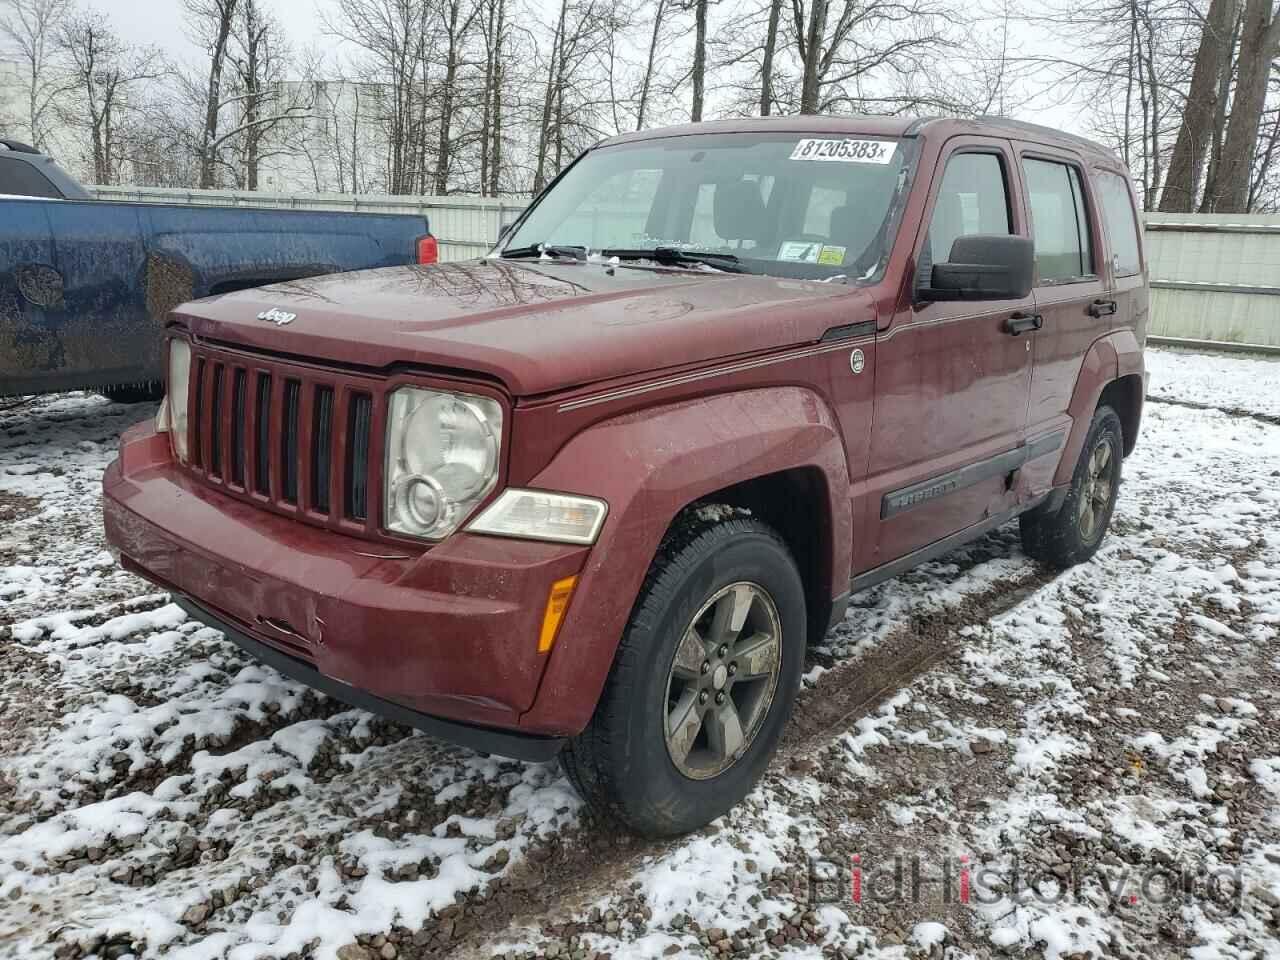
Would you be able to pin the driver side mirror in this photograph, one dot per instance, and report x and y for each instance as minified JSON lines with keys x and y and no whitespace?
{"x":984,"y":267}
{"x":504,"y":230}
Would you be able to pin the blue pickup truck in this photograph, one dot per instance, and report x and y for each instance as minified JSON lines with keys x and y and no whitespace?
{"x":85,"y":284}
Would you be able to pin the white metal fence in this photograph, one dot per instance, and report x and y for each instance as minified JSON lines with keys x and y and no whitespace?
{"x":1214,"y":278}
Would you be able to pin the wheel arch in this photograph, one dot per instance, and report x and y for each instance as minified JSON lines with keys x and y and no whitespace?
{"x":1124,"y":395}
{"x":1113,"y":359}
{"x":745,"y":448}
{"x":797,"y":504}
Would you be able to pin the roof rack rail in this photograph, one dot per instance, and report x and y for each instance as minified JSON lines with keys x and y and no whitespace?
{"x":1041,"y":130}
{"x":17,"y":146}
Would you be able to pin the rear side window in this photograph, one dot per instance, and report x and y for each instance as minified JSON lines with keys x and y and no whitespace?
{"x":19,"y":178}
{"x":1059,"y":221}
{"x":973,"y":199}
{"x":1122,"y":225}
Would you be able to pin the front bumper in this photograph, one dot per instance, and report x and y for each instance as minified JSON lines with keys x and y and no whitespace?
{"x":443,"y":638}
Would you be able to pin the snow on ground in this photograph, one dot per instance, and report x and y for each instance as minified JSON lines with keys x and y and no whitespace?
{"x":1227,"y":381}
{"x":1047,"y":757}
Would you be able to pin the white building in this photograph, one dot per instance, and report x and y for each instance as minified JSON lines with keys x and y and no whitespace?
{"x":337,"y":146}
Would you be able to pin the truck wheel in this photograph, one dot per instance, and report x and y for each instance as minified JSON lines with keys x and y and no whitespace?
{"x":1071,"y":534}
{"x":702,"y":684}
{"x":134,"y":393}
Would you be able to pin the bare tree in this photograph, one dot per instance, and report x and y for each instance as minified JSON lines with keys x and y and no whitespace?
{"x":265,"y":103}
{"x":838,"y":52}
{"x":211,"y":23}
{"x":1213,"y":59}
{"x":491,"y":123}
{"x":105,"y":71}
{"x":767,"y":55}
{"x":31,"y":26}
{"x":393,"y":36}
{"x":646,"y":81}
{"x":456,"y":18}
{"x":1259,"y":47}
{"x":699,"y":58}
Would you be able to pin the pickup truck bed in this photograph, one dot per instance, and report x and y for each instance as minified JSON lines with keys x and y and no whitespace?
{"x":85,"y":285}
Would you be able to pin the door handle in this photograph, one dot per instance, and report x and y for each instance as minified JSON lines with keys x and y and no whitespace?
{"x":1102,"y":308}
{"x":1020,"y":323}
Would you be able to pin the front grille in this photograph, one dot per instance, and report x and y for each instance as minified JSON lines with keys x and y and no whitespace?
{"x":301,"y":441}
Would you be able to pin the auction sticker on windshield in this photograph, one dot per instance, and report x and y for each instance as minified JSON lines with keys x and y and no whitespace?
{"x":845,"y":151}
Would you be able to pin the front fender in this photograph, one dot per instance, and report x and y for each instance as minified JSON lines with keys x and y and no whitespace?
{"x":648,"y":466}
{"x":1109,"y":357}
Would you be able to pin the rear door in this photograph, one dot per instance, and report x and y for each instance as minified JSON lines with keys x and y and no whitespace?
{"x":1073,"y":295}
{"x":951,"y":380}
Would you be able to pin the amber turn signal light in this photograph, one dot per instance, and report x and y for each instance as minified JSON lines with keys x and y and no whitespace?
{"x":557,"y":603}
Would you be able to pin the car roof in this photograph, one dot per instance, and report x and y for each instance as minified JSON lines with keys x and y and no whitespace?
{"x":877,"y":126}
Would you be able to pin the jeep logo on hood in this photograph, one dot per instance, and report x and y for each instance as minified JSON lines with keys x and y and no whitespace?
{"x":278,"y":317}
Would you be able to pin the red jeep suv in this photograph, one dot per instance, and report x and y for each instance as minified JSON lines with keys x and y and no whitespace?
{"x":590,"y":495}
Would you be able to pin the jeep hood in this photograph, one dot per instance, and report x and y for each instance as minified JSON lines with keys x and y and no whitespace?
{"x":536,"y":326}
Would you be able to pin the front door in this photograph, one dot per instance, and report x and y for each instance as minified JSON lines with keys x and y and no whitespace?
{"x":952,"y":379}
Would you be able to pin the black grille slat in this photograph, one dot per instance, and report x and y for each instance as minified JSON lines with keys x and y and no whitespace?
{"x":262,"y":443}
{"x":322,"y":448}
{"x":289,"y":442}
{"x":359,"y":432}
{"x":237,"y":428}
{"x":292,"y":438}
{"x":215,"y":423}
{"x":196,"y":434}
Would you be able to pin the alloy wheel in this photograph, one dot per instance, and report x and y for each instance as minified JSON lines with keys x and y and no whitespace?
{"x":722,"y":680}
{"x":1095,"y":494}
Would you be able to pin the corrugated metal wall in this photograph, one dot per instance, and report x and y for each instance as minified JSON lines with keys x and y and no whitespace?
{"x":1214,"y":277}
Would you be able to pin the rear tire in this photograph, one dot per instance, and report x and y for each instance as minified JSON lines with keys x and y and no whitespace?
{"x":1073,"y":533}
{"x":698,"y":695}
{"x":134,"y":393}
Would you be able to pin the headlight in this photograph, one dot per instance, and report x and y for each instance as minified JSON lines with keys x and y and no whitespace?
{"x":174,"y":408}
{"x":537,"y":515}
{"x":442,"y":459}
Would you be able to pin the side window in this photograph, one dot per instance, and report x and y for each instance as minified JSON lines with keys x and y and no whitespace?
{"x":21,"y":179}
{"x":1122,"y":225}
{"x":1059,"y":221}
{"x":972,"y":199}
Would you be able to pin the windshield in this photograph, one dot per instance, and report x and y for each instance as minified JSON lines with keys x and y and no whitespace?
{"x":781,"y":204}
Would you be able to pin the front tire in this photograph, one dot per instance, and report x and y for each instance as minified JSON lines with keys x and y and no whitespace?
{"x":703,"y":682}
{"x":1073,"y":533}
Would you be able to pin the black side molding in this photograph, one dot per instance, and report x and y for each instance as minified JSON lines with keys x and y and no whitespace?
{"x":905,"y":498}
{"x":518,"y":746}
{"x":887,"y":571}
{"x":864,"y":328}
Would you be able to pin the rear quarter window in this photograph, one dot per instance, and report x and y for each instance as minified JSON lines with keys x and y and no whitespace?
{"x":1121,"y":222}
{"x":19,"y":178}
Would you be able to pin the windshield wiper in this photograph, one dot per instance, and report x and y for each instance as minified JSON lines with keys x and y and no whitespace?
{"x":666,"y":255}
{"x":550,"y":249}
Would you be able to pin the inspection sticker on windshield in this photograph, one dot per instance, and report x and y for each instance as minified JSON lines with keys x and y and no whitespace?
{"x":845,"y":151}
